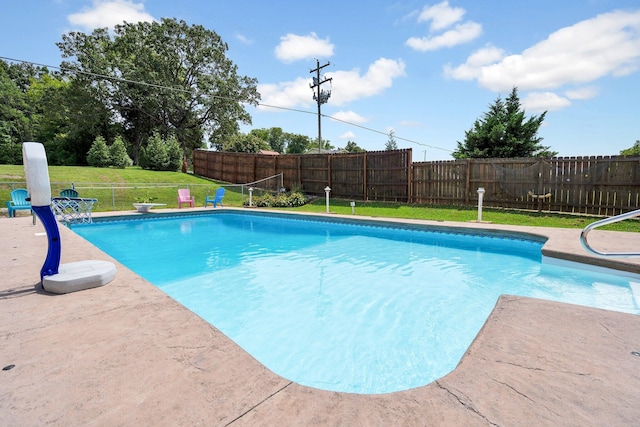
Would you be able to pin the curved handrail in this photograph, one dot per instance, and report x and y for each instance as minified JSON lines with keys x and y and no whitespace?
{"x":610,"y":220}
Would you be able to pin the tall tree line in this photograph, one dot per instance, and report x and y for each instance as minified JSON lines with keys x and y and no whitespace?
{"x":149,"y":77}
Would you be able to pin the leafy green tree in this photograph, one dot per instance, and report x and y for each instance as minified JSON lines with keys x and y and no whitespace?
{"x":504,"y":132}
{"x":188,"y":87}
{"x":297,"y":143}
{"x":98,"y":154}
{"x":326,"y":145}
{"x":118,"y":151}
{"x":245,"y":143}
{"x":632,"y":151}
{"x":15,"y":122}
{"x":352,"y":147}
{"x":391,"y":142}
{"x":275,"y":137}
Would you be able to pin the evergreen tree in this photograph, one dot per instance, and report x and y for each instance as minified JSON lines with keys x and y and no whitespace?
{"x":154,"y":156}
{"x":504,"y":132}
{"x":174,"y":152}
{"x":98,"y":154}
{"x":391,"y":142}
{"x":119,"y":157}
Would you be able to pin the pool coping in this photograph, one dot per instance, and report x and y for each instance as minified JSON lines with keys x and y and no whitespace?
{"x":127,"y":354}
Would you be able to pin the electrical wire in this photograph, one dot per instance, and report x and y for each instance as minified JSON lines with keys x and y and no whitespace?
{"x":156,"y":86}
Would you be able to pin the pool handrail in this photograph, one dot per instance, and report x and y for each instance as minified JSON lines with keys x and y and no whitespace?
{"x":610,"y":220}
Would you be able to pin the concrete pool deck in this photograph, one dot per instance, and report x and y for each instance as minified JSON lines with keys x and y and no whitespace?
{"x":127,"y":354}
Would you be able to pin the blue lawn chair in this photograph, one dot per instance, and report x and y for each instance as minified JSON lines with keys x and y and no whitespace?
{"x":69,"y":192}
{"x":18,"y":201}
{"x":215,"y":199}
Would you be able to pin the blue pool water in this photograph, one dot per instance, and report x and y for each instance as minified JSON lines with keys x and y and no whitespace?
{"x":345,"y":306}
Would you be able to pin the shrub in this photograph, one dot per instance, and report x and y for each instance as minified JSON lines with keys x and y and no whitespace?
{"x":155,"y":154}
{"x":119,"y":157}
{"x":282,"y":200}
{"x":98,"y":154}
{"x":174,"y":152}
{"x":160,"y":154}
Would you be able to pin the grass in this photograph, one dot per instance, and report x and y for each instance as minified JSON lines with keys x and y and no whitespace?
{"x":136,"y":183}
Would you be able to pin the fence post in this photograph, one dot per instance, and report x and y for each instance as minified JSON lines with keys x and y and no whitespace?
{"x":540,"y":184}
{"x":467,"y":182}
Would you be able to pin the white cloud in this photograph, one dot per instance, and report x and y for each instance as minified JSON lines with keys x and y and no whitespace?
{"x":472,"y":68}
{"x":243,"y":39}
{"x":293,"y":47}
{"x":606,"y":45}
{"x":462,"y":33}
{"x":349,"y":117}
{"x":109,"y":13}
{"x":351,"y":85}
{"x":347,"y":135}
{"x":346,"y":86}
{"x":582,"y":93}
{"x":442,"y":16}
{"x":541,"y":101}
{"x":286,"y":94}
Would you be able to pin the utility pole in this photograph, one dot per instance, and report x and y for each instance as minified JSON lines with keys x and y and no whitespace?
{"x":320,"y":96}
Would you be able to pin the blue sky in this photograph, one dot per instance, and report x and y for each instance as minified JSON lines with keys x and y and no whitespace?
{"x":424,"y":69}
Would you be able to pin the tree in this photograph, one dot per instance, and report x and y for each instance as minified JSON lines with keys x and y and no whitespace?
{"x":243,"y":143}
{"x":632,"y":151}
{"x":352,"y":147}
{"x":174,"y":152}
{"x":154,"y":156}
{"x":98,"y":154}
{"x":118,"y":151}
{"x":503,"y":132}
{"x":163,"y":76}
{"x":15,"y":117}
{"x":297,"y":143}
{"x":275,"y":137}
{"x":313,"y":146}
{"x":391,"y":142}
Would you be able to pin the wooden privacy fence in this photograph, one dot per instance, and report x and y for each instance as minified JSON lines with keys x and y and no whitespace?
{"x":371,"y":175}
{"x":591,"y":185}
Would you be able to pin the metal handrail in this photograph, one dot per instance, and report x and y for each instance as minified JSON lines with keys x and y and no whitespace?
{"x":610,"y":220}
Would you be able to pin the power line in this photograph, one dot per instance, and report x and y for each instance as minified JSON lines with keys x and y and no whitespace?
{"x":157,"y":86}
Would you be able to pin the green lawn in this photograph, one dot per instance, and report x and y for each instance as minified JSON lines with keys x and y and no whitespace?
{"x":135,"y":183}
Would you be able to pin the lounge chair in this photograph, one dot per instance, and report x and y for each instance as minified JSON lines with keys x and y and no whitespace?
{"x":69,"y":192}
{"x":184,"y":196}
{"x":18,"y":201}
{"x":215,"y":199}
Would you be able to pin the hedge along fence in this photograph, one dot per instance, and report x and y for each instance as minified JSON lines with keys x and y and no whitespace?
{"x":589,"y":185}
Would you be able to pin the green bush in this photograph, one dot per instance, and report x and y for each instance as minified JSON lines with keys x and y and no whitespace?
{"x":98,"y":154}
{"x":160,"y":154}
{"x":119,"y":157}
{"x":282,"y":200}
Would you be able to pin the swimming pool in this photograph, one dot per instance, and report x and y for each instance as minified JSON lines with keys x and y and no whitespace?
{"x":344,"y":306}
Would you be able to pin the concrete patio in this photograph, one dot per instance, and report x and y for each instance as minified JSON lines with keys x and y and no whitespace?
{"x":126,"y":354}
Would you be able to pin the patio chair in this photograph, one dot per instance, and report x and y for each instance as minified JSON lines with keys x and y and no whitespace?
{"x":18,"y":201}
{"x":215,"y":199}
{"x":184,"y":196}
{"x":69,"y":192}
